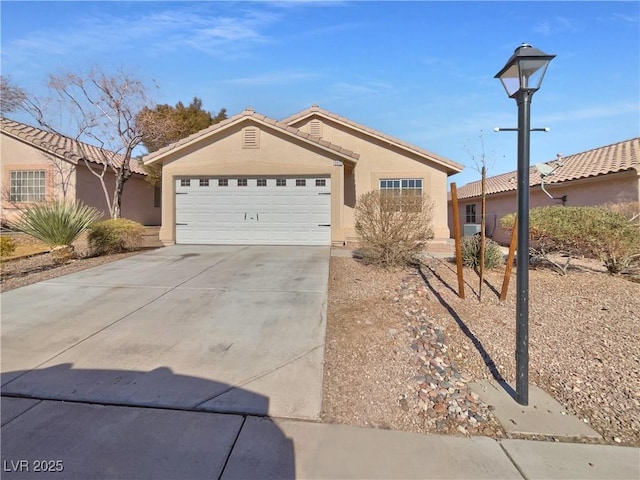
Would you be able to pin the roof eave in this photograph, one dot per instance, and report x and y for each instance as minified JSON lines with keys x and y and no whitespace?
{"x":451,"y":167}
{"x":155,"y":157}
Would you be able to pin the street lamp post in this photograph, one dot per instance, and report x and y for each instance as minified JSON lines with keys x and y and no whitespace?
{"x":521,"y":77}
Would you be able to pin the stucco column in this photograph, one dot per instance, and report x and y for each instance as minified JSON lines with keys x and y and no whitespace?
{"x":337,"y":204}
{"x":168,"y":229}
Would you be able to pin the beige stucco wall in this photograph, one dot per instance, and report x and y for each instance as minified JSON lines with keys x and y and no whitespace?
{"x":78,"y":183}
{"x":17,"y":155}
{"x":222,"y":154}
{"x":137,"y":197}
{"x":613,"y":188}
{"x":379,"y":160}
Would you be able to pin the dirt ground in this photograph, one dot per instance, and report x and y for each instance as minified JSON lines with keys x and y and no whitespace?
{"x":584,"y":347}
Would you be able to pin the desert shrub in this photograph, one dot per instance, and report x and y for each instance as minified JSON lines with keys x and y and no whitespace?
{"x":115,"y":235}
{"x":57,"y":223}
{"x":630,"y":210}
{"x":393,"y":230}
{"x":471,"y":252}
{"x":7,"y":246}
{"x":594,"y":232}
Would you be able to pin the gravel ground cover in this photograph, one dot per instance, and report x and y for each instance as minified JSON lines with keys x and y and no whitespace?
{"x":402,"y":345}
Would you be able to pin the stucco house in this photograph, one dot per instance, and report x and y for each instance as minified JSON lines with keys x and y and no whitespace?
{"x":607,"y":175}
{"x":38,"y":165}
{"x":254,"y":180}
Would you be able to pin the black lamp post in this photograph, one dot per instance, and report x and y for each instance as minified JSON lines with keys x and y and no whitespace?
{"x":521,"y":77}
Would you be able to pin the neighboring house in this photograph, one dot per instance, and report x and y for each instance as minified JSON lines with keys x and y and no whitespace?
{"x":39,"y":165}
{"x":602,"y":176}
{"x":254,"y":180}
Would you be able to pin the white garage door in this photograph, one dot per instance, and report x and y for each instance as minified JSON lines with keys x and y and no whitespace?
{"x":254,"y":211}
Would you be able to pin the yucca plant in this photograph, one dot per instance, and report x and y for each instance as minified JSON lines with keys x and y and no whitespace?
{"x":57,"y":223}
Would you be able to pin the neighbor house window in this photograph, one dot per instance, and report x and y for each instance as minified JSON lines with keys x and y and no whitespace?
{"x":281,"y":182}
{"x":28,"y":186}
{"x":262,"y":182}
{"x":471,"y":213}
{"x":402,"y":194}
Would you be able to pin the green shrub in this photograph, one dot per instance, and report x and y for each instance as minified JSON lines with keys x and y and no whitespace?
{"x":471,"y":252}
{"x":593,"y":232}
{"x":115,"y":235}
{"x":7,"y":246}
{"x":393,"y":230}
{"x":57,"y":223}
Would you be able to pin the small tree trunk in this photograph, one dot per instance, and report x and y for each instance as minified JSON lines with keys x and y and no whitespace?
{"x":116,"y":205}
{"x":482,"y":231}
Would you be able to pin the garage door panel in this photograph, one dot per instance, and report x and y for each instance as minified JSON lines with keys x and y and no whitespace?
{"x":252,"y":214}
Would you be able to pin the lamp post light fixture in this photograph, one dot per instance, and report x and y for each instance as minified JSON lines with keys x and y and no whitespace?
{"x":521,"y":77}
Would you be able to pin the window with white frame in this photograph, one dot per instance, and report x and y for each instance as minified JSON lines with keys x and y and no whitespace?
{"x":471,"y":213}
{"x":28,"y":186}
{"x":401,"y":194}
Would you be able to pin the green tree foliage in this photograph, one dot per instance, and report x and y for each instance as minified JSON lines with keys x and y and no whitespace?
{"x":165,"y":124}
{"x":594,"y":232}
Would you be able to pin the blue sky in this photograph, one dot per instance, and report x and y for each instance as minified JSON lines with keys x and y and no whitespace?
{"x":420,"y":71}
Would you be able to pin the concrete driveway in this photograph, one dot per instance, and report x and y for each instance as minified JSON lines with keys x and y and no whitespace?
{"x":212,"y":328}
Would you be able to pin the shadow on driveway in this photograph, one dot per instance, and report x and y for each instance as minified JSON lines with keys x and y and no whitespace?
{"x":95,"y":440}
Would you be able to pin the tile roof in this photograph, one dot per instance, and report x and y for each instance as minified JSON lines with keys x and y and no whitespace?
{"x":63,"y":147}
{"x":617,"y":157}
{"x":452,"y":166}
{"x":249,"y":113}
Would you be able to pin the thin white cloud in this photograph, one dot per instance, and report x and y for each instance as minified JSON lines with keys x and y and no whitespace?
{"x":348,"y":90}
{"x":199,"y":29}
{"x":627,"y":18}
{"x":556,"y":25}
{"x":273,"y":78}
{"x":591,"y":113}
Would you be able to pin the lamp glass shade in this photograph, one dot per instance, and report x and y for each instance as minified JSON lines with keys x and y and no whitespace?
{"x":525,"y":70}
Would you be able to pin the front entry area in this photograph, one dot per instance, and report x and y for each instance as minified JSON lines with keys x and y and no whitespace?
{"x":253,"y":210}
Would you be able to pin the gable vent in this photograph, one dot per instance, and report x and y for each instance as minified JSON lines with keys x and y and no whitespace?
{"x":315,"y":128}
{"x":251,"y":137}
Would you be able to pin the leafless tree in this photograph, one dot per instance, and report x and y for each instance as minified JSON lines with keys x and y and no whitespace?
{"x":99,"y":109}
{"x":479,"y":161}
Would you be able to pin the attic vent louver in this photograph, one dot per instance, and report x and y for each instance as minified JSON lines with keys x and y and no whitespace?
{"x":315,"y":128}
{"x":251,"y":137}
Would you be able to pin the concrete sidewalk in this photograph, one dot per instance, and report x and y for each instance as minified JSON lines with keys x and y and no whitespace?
{"x":88,"y":441}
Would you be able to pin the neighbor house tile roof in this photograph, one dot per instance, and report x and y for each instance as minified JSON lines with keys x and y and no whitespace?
{"x":617,"y":157}
{"x":63,"y":147}
{"x":249,"y":113}
{"x":452,"y":166}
